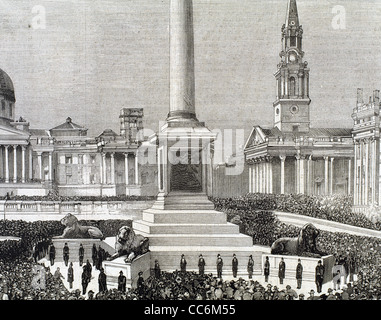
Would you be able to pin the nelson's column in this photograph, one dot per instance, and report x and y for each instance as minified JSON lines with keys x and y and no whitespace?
{"x":183,"y":220}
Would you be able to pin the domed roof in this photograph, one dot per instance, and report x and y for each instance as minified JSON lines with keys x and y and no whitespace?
{"x":6,"y":86}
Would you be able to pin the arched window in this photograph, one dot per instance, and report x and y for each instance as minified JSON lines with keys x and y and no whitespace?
{"x":292,"y":87}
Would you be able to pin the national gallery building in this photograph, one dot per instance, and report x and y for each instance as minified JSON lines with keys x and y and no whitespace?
{"x":65,"y":159}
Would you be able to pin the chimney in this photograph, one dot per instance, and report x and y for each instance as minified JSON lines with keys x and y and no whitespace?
{"x":360,"y":99}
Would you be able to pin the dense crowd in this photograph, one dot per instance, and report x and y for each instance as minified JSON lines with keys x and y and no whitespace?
{"x":336,"y":208}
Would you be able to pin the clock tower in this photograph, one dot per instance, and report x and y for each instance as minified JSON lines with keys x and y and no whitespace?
{"x":292,"y":104}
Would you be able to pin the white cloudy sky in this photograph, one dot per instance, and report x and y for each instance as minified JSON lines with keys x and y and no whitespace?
{"x":97,"y":56}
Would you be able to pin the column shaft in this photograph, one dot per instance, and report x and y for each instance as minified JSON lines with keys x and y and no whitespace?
{"x":6,"y":164}
{"x":14,"y":164}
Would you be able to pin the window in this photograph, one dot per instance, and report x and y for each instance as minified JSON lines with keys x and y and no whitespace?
{"x":3,"y":106}
{"x":80,"y":159}
{"x":295,"y":128}
{"x":292,"y":41}
{"x":68,"y":159}
{"x":11,"y":109}
{"x":292,"y":86}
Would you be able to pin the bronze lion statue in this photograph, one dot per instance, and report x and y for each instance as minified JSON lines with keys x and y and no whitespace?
{"x":304,"y":243}
{"x":130,"y":244}
{"x":74,"y":230}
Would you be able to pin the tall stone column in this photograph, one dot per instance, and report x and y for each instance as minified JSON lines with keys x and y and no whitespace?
{"x":136,"y":168}
{"x":6,"y":164}
{"x":250,"y":179}
{"x":112,"y":168}
{"x":301,"y":175}
{"x":297,"y":169}
{"x":104,"y":174}
{"x":326,"y":175}
{"x":260,"y":177}
{"x":331,"y":177}
{"x":23,"y":160}
{"x":282,"y":163}
{"x":50,"y":166}
{"x":30,"y":164}
{"x":126,"y":168}
{"x":182,"y":80}
{"x":15,"y":164}
{"x":39,"y":160}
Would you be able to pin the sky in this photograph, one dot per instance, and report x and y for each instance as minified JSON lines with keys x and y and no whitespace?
{"x":93,"y":58}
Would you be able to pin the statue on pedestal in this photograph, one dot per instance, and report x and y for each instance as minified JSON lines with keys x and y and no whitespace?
{"x":130,"y":244}
{"x":304,"y":243}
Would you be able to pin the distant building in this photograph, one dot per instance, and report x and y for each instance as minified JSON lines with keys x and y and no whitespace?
{"x":366,"y":135}
{"x":293,"y":156}
{"x":64,"y":158}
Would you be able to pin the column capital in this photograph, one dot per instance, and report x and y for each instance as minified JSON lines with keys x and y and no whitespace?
{"x":326,"y":158}
{"x":23,"y":147}
{"x":282,"y":158}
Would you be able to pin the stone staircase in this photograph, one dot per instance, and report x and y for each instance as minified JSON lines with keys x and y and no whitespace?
{"x":186,"y":223}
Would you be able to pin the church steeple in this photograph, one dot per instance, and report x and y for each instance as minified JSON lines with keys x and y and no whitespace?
{"x":292,"y":18}
{"x":291,"y":107}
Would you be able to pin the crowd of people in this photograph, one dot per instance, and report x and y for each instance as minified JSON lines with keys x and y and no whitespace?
{"x":336,"y":208}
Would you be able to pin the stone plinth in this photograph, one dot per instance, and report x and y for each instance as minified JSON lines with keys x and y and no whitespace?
{"x":130,"y":270}
{"x":186,"y":223}
{"x":309,"y":265}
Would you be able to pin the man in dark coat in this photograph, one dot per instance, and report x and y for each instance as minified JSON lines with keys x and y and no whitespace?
{"x":88,"y":268}
{"x":70,"y":275}
{"x":85,"y":280}
{"x":220,"y":264}
{"x":299,"y":274}
{"x":183,"y":264}
{"x":352,"y":268}
{"x":140,"y":284}
{"x":157,"y":270}
{"x":250,"y":267}
{"x":66,"y":254}
{"x":94,"y":255}
{"x":52,"y":253}
{"x":235,"y":266}
{"x":100,"y":258}
{"x":122,"y":281}
{"x":266,"y":269}
{"x":81,"y":254}
{"x":282,"y":271}
{"x":201,"y":265}
{"x":102,"y":281}
{"x":319,"y":276}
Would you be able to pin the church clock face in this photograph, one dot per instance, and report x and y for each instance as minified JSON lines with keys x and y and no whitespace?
{"x":292,"y":57}
{"x":294,"y":109}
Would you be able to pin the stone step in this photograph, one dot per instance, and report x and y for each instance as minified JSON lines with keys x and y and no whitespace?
{"x":238,"y":240}
{"x":184,"y":216}
{"x":188,"y":206}
{"x":172,"y":228}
